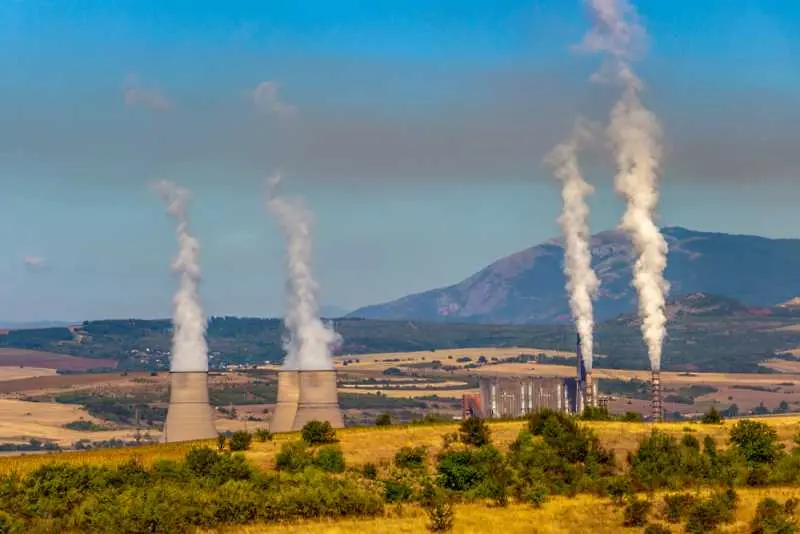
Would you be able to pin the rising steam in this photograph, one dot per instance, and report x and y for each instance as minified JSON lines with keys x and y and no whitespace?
{"x":635,"y":134}
{"x":309,"y":344}
{"x":189,"y":348}
{"x":581,"y":280}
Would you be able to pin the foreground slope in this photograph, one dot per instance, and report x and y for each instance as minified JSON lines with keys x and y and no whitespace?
{"x":528,"y":286}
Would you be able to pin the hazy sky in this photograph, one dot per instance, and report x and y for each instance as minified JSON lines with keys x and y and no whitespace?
{"x":415,"y":128}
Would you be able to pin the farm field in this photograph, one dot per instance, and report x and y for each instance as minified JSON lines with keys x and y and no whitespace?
{"x":51,"y":360}
{"x":561,"y":515}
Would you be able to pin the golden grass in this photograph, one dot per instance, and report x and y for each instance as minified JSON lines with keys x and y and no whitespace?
{"x":18,"y":373}
{"x":379,"y":444}
{"x":560,"y":515}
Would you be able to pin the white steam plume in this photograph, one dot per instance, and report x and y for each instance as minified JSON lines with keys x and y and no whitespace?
{"x":635,"y":134}
{"x":581,"y":280}
{"x":310,"y":341}
{"x":189,"y":348}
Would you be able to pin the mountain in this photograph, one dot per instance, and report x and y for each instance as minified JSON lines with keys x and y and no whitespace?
{"x":528,"y":287}
{"x":332,"y":311}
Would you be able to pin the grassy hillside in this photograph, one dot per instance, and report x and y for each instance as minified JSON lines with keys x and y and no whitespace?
{"x":392,"y":479}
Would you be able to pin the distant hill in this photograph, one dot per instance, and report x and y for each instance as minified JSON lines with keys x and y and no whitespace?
{"x":528,"y":287}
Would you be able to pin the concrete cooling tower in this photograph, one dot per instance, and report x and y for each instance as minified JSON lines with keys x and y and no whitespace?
{"x":305,"y":396}
{"x":286,"y":408}
{"x":190,"y":415}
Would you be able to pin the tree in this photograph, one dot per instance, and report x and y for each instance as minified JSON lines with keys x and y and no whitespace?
{"x":732,"y":411}
{"x":783,"y":407}
{"x":756,"y":442}
{"x":712,"y":417}
{"x":474,"y":431}
{"x":383,"y":419}
{"x":318,"y":432}
{"x":240,"y":440}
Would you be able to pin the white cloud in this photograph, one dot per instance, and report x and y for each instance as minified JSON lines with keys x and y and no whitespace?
{"x":152,"y":99}
{"x":34,"y":262}
{"x":266,"y":98}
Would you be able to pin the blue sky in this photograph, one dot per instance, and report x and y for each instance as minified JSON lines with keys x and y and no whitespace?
{"x":415,"y":128}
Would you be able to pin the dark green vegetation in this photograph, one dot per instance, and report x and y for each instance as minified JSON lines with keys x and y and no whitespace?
{"x":528,"y":287}
{"x":709,"y":334}
{"x":687,"y":395}
{"x":553,"y":455}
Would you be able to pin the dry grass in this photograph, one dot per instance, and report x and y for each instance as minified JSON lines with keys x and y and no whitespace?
{"x":20,"y":421}
{"x":562,"y":515}
{"x":18,"y":373}
{"x":37,"y":358}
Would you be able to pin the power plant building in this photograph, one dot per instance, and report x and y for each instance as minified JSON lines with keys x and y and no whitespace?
{"x":516,"y":397}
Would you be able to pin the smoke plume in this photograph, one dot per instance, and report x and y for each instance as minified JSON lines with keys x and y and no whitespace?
{"x":636,"y":139}
{"x":189,"y":348}
{"x":308,"y":346}
{"x":581,"y":280}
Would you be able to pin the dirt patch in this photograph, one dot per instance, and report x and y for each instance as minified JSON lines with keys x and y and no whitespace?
{"x":34,"y":358}
{"x":18,"y":373}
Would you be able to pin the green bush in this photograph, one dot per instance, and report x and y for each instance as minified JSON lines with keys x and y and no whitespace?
{"x":631,"y":417}
{"x":440,"y":517}
{"x":757,"y":442}
{"x":411,"y":457}
{"x":596,"y":413}
{"x":383,"y":419}
{"x":370,"y":471}
{"x":536,"y":495}
{"x":222,"y":440}
{"x":263,"y":435}
{"x":397,"y":491}
{"x":656,"y":529}
{"x":330,"y":458}
{"x":293,"y":457}
{"x":712,"y":417}
{"x":707,"y":514}
{"x":678,"y":506}
{"x":772,"y":518}
{"x":240,"y":440}
{"x":474,"y":431}
{"x":318,"y":433}
{"x":635,"y":514}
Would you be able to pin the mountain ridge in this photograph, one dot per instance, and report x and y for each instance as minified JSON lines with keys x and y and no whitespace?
{"x":527,"y":287}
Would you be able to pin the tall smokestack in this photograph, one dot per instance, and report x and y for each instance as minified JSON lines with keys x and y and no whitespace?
{"x":581,"y":279}
{"x":635,"y":134}
{"x":656,"y":401}
{"x":310,"y":341}
{"x":189,"y":416}
{"x":585,"y":383}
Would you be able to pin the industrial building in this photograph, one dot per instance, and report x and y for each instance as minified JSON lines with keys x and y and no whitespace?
{"x":190,"y":416}
{"x":516,"y":397}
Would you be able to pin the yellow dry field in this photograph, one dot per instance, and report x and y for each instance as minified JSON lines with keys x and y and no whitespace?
{"x":561,"y":515}
{"x":378,"y":361}
{"x":18,"y":373}
{"x":20,"y":421}
{"x":413,"y":393}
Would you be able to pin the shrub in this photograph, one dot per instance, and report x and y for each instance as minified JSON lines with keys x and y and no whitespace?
{"x":772,"y":518}
{"x":411,"y":457}
{"x":690,"y":442}
{"x":677,"y":507}
{"x":240,"y":440}
{"x":222,"y":440}
{"x":596,"y":413}
{"x":330,"y":458}
{"x":263,"y":435}
{"x":397,"y":491}
{"x":656,"y":529}
{"x":536,"y":495}
{"x":707,"y":514}
{"x":618,"y":488}
{"x":757,"y":442}
{"x":474,"y":431}
{"x":370,"y":471}
{"x":463,"y":470}
{"x":636,"y":511}
{"x":383,"y":419}
{"x":631,"y":417}
{"x":200,"y":461}
{"x":318,"y":432}
{"x":440,"y":516}
{"x":712,"y":417}
{"x":293,"y":457}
